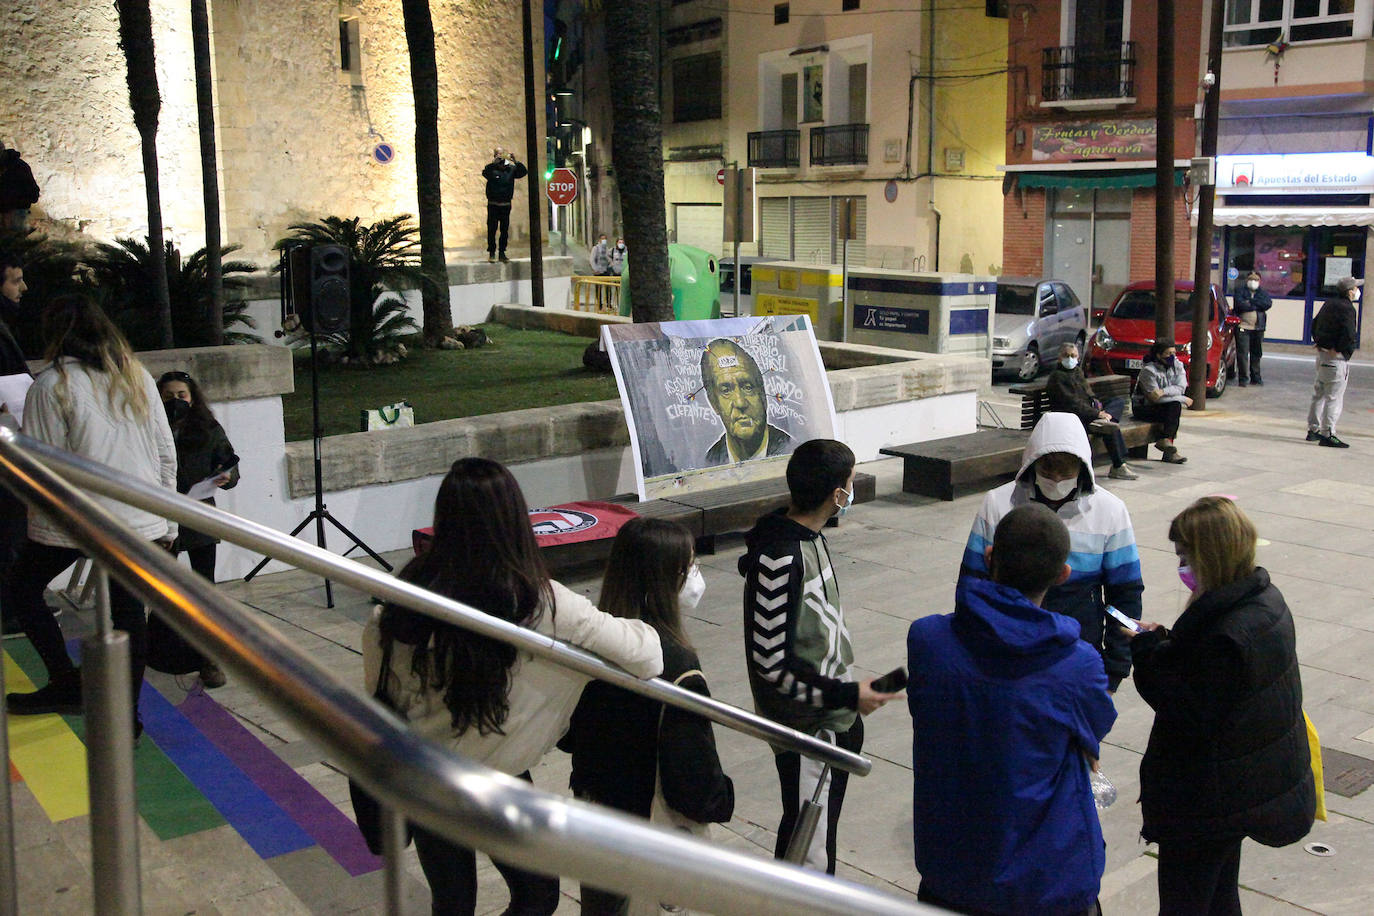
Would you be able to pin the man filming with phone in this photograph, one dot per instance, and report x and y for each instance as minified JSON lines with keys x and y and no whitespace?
{"x":1008,"y":710}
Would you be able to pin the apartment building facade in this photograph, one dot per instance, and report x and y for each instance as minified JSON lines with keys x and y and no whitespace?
{"x":892,"y":115}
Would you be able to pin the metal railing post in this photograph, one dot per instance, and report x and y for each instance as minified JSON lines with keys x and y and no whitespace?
{"x":9,"y":871}
{"x":393,"y":846}
{"x":106,"y":697}
{"x":808,"y":818}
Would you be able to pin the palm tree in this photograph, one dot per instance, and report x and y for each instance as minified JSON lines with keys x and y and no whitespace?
{"x":637,"y":154}
{"x":209,"y":170}
{"x":136,"y":39}
{"x":424,"y":82}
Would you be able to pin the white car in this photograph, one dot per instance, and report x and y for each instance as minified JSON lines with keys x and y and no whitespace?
{"x":1032,"y":319}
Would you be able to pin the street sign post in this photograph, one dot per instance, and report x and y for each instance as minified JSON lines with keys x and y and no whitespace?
{"x":739,"y":206}
{"x":562,"y":187}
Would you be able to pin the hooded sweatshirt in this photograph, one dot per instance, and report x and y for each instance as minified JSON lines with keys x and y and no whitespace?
{"x":1005,"y":701}
{"x":796,"y":644}
{"x":1102,"y":550}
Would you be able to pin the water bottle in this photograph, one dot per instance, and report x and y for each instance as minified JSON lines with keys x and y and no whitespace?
{"x":1104,"y":793}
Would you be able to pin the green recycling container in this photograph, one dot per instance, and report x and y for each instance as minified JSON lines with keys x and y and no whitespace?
{"x":695,"y":279}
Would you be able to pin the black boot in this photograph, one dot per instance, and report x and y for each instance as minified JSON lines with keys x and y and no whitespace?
{"x":61,"y":695}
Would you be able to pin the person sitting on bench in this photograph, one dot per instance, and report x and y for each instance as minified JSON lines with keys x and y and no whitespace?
{"x":1068,"y":392}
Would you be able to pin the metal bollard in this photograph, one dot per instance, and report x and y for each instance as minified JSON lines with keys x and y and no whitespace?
{"x":807,"y":819}
{"x":106,"y":691}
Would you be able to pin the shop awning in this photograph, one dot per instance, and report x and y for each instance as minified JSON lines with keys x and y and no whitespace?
{"x":1291,"y":216}
{"x":1088,"y":180}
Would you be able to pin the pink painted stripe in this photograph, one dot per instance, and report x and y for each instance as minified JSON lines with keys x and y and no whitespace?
{"x":326,"y":824}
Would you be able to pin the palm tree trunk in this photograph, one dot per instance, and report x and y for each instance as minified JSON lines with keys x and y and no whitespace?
{"x":637,"y":154}
{"x":209,"y":169}
{"x":136,"y":38}
{"x":424,"y":82}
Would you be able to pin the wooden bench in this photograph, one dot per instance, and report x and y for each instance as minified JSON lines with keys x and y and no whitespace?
{"x":705,"y":515}
{"x":946,"y":468}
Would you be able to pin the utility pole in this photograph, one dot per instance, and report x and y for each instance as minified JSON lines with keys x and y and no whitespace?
{"x":1164,"y":173}
{"x":1207,"y":195}
{"x":535,"y":160}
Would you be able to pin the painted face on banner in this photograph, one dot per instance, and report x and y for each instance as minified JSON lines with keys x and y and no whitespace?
{"x":735,"y":391}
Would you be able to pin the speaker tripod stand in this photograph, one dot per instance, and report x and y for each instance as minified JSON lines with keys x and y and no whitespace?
{"x":320,"y":514}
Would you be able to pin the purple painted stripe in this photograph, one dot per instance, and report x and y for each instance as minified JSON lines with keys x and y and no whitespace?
{"x":326,"y":824}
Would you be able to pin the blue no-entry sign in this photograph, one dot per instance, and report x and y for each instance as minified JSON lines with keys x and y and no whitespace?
{"x":384,"y":153}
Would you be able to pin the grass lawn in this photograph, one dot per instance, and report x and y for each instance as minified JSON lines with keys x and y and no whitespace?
{"x":518,"y":369}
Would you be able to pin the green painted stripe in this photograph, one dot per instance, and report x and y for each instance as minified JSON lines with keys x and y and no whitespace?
{"x":167,"y":800}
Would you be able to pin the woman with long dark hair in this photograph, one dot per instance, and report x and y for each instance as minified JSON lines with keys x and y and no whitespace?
{"x":203,"y":453}
{"x":480,"y":696}
{"x":1161,"y":393}
{"x":96,"y":400}
{"x":1228,"y":756}
{"x":632,"y":753}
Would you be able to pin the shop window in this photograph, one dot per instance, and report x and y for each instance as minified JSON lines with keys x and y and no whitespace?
{"x":1262,"y":22}
{"x":848,"y":5}
{"x":781,"y":13}
{"x":696,"y":88}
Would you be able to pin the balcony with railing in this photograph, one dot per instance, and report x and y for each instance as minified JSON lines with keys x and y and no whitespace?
{"x":1088,"y":76}
{"x":775,"y":149}
{"x":843,"y":144}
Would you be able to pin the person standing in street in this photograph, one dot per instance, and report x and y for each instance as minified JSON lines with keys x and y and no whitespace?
{"x":1251,"y":304}
{"x":618,"y":257}
{"x":1228,"y":755}
{"x":1335,"y":333}
{"x":501,"y":174}
{"x":600,"y":257}
{"x":14,"y":517}
{"x":1057,"y":472}
{"x":1008,"y":711}
{"x":796,"y":643}
{"x":18,"y":190}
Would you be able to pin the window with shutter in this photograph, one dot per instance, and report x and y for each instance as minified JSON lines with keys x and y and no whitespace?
{"x":775,"y":228}
{"x":811,"y":230}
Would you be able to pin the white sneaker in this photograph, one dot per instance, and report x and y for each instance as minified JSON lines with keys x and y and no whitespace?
{"x":1123,"y":472}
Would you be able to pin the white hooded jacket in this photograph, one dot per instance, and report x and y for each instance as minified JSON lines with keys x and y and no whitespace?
{"x":1102,"y":548}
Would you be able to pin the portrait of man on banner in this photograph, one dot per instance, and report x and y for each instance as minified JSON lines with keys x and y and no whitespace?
{"x":710,"y":403}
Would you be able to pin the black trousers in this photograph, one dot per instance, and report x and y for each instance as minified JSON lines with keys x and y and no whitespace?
{"x":789,"y":765}
{"x":451,"y":871}
{"x":1249,"y":351}
{"x":1199,"y":876}
{"x":498,"y":218}
{"x":35,"y":567}
{"x":203,"y":562}
{"x":1166,"y":415}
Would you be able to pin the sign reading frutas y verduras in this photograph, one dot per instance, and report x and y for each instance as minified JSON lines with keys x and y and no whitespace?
{"x":1082,"y":140}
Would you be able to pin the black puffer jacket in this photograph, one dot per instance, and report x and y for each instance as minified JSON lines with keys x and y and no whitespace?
{"x":1068,"y":392}
{"x":1228,"y":753}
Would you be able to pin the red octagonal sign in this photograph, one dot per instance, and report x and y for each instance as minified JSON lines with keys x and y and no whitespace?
{"x":562,"y":187}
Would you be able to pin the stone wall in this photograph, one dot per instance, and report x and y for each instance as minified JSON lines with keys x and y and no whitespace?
{"x":295,"y":136}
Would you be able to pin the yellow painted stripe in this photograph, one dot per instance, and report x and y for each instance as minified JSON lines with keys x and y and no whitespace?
{"x":764,"y":274}
{"x":818,"y":278}
{"x":48,"y":754}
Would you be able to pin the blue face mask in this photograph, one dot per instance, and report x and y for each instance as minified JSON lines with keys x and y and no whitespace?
{"x":1069,"y":362}
{"x":849,"y":501}
{"x":1169,"y":361}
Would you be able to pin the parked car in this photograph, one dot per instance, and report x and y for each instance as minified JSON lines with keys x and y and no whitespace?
{"x":1128,"y":330}
{"x":1032,"y":319}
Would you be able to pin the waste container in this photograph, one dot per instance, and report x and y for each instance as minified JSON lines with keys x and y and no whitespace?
{"x":695,"y":278}
{"x":792,"y":288}
{"x":930,"y":312}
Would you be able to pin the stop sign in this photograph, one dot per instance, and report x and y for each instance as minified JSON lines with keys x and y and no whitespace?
{"x":562,"y":187}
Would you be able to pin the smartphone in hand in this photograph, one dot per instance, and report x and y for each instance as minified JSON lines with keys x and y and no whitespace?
{"x":892,"y":682}
{"x":1127,"y":622}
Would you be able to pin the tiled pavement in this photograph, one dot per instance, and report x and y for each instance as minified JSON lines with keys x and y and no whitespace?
{"x":896,"y":560}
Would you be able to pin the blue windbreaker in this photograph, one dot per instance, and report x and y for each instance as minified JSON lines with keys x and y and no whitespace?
{"x":1005,"y":701}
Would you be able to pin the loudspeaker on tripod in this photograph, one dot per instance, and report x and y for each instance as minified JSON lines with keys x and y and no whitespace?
{"x":319,"y":287}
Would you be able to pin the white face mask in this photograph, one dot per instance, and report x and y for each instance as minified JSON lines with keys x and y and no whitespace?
{"x":1055,"y":490}
{"x":692,"y":588}
{"x":1355,"y":294}
{"x":849,"y":501}
{"x":1069,"y":362}
{"x":1253,"y":284}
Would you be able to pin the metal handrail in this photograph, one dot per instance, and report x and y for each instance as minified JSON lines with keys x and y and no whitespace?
{"x":420,"y":780}
{"x":157,"y":499}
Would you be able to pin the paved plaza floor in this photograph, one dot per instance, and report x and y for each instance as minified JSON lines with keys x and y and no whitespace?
{"x":896,"y":560}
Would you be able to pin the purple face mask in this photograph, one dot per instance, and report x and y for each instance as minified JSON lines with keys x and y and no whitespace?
{"x":1185,"y":575}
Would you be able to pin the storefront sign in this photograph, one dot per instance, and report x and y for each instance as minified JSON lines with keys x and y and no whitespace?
{"x":1084,"y":140}
{"x":1296,"y":172}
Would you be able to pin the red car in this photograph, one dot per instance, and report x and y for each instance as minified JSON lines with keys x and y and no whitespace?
{"x":1128,"y":329}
